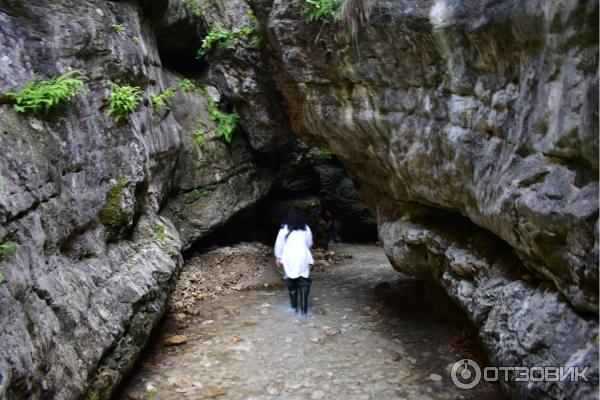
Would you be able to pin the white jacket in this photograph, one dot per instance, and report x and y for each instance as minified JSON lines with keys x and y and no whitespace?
{"x":293,"y":251}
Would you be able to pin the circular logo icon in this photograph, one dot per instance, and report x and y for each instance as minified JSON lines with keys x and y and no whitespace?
{"x":465,"y":374}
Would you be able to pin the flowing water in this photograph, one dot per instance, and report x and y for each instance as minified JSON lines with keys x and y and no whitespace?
{"x":363,"y":339}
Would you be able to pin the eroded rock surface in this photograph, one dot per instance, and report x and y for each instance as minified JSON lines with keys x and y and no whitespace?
{"x":486,"y":111}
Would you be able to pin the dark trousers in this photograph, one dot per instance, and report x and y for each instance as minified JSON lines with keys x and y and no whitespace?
{"x":299,"y":285}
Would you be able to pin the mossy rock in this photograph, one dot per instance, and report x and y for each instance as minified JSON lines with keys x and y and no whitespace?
{"x":113,"y":215}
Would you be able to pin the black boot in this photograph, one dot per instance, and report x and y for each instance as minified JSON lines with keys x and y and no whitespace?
{"x":304,"y":290}
{"x":294,"y":299}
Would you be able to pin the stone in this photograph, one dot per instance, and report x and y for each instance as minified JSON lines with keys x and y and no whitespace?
{"x":333,"y":331}
{"x":175,"y":340}
{"x":434,"y":377}
{"x":211,"y":392}
{"x":392,"y":355}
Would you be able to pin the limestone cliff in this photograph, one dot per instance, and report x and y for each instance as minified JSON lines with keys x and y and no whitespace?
{"x":472,"y":130}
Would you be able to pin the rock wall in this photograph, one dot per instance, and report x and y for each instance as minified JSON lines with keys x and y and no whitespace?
{"x":100,"y":210}
{"x":462,"y":119}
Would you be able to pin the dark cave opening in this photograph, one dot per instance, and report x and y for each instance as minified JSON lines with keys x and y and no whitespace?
{"x":178,"y":49}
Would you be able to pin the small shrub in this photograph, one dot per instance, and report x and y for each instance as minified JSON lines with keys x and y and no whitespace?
{"x":159,"y":101}
{"x":187,"y":85}
{"x":7,"y":249}
{"x":136,"y":39}
{"x":199,"y":137}
{"x":45,"y":95}
{"x":118,"y":28}
{"x":322,"y":10}
{"x":2,"y":280}
{"x":124,"y":100}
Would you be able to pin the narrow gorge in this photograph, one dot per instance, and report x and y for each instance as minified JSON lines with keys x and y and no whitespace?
{"x":461,"y":136}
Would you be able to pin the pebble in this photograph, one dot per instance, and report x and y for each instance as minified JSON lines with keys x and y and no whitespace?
{"x":392,"y":355}
{"x":317,"y":395}
{"x":434,"y":377}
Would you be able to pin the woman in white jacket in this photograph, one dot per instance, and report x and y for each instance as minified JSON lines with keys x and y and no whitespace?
{"x":292,"y":252}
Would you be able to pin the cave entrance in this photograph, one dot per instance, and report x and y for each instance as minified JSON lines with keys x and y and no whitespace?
{"x":315,"y":190}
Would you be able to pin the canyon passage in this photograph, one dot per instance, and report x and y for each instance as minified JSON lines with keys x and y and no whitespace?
{"x":147,"y":145}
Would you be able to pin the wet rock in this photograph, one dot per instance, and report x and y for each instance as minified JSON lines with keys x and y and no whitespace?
{"x":175,"y":340}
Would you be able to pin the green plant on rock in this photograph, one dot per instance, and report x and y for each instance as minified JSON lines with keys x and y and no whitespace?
{"x":7,"y":249}
{"x":112,"y":214}
{"x":257,"y":42}
{"x":199,"y":138}
{"x":197,"y":7}
{"x":160,"y":235}
{"x":43,"y":95}
{"x":187,"y":85}
{"x":159,"y":101}
{"x":321,"y":10}
{"x":2,"y":280}
{"x":224,"y":37}
{"x":124,"y":100}
{"x":226,"y":123}
{"x":203,"y":192}
{"x":325,"y":153}
{"x":118,"y":28}
{"x":136,"y":39}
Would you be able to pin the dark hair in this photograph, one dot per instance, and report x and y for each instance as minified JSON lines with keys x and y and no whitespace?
{"x":295,"y":220}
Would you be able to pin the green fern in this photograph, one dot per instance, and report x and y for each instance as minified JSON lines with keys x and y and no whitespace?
{"x":224,"y":37}
{"x":124,"y":100}
{"x":187,"y":85}
{"x":226,"y":122}
{"x":44,"y":95}
{"x":118,"y":28}
{"x":159,"y":101}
